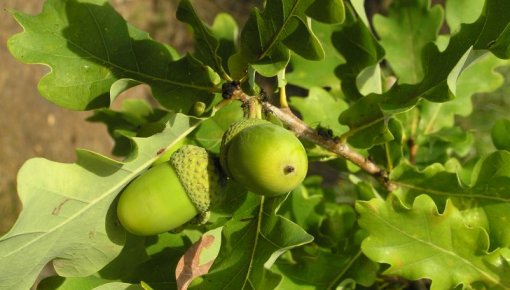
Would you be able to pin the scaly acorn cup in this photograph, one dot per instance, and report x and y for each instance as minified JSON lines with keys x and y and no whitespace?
{"x":267,"y":159}
{"x":171,"y":194}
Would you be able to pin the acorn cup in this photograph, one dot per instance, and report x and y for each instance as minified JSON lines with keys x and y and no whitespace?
{"x":267,"y":159}
{"x":171,"y":194}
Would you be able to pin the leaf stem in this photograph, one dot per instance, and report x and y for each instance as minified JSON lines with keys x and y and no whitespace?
{"x":389,"y":163}
{"x":281,"y":86}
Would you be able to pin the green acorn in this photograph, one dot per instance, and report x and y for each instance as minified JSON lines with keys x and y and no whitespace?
{"x":267,"y":159}
{"x":171,"y":194}
{"x":231,"y":132}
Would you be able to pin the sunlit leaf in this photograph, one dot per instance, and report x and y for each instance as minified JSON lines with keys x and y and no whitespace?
{"x":89,"y":47}
{"x":62,"y":210}
{"x":320,"y":108}
{"x":421,"y":242}
{"x":462,"y":11}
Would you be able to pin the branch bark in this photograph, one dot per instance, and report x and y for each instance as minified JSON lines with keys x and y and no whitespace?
{"x":301,"y":129}
{"x":304,"y":131}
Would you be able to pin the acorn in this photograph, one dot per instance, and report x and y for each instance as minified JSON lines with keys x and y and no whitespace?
{"x":171,"y":194}
{"x":266,"y":158}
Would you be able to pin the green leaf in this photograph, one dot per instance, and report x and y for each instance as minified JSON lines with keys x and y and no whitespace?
{"x":367,"y":123}
{"x":337,"y":242}
{"x":501,"y":134}
{"x":441,"y":145}
{"x":120,"y":286}
{"x":307,"y":73}
{"x":441,"y":70}
{"x":251,"y":242}
{"x":462,"y":11}
{"x":302,"y":208}
{"x":267,"y":37}
{"x":312,"y":267}
{"x":136,"y":117}
{"x":150,"y":259}
{"x":226,"y":31}
{"x":210,"y":132}
{"x":72,"y":283}
{"x":489,"y":191}
{"x":89,"y":47}
{"x":420,"y":242}
{"x":390,"y":153}
{"x":71,"y":205}
{"x":320,"y":108}
{"x":478,"y":77}
{"x":359,"y":48}
{"x":206,"y":44}
{"x":440,"y":184}
{"x":369,"y":80}
{"x":404,"y":32}
{"x":491,"y":177}
{"x":327,"y":11}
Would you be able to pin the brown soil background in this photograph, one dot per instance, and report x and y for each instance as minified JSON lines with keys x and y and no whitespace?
{"x":30,"y":126}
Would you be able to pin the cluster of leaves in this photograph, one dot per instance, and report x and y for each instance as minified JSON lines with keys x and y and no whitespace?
{"x":390,"y":86}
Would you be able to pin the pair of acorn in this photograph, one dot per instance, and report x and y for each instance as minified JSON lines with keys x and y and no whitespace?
{"x":266,"y":158}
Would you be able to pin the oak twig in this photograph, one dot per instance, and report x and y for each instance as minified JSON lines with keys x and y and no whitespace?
{"x":301,"y":129}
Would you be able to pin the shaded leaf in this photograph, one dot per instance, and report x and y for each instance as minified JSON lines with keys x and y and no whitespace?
{"x":251,"y":242}
{"x":404,"y":32}
{"x":302,"y":207}
{"x":501,"y":134}
{"x":121,"y":286}
{"x":311,"y":268}
{"x":136,"y":117}
{"x":327,"y":11}
{"x":211,"y":131}
{"x":390,"y":153}
{"x":420,"y":242}
{"x":267,"y":36}
{"x":206,"y":44}
{"x":479,"y":77}
{"x":89,"y":47}
{"x":307,"y":73}
{"x":226,"y":31}
{"x":60,"y":283}
{"x":360,"y":50}
{"x":151,"y":259}
{"x":440,"y":146}
{"x":337,"y":242}
{"x":320,"y":108}
{"x":62,"y":210}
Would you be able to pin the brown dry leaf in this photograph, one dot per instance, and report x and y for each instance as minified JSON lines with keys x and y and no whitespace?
{"x":189,"y":266}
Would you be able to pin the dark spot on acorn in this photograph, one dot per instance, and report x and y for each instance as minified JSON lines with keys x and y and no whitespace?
{"x":288,"y":169}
